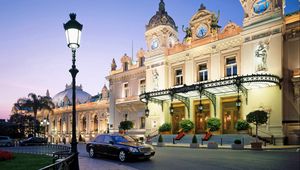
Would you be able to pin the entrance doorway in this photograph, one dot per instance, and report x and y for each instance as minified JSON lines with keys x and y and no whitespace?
{"x":178,"y":115}
{"x":230,"y":116}
{"x":201,"y":118}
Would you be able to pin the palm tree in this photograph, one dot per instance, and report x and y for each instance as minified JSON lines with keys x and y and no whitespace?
{"x":36,"y":103}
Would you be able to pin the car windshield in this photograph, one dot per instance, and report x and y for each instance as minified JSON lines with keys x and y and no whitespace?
{"x":119,"y":139}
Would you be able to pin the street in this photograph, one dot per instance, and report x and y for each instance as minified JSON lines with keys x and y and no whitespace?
{"x":185,"y":158}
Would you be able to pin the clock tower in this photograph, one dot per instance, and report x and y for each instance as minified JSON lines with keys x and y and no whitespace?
{"x":161,"y":31}
{"x":260,"y":11}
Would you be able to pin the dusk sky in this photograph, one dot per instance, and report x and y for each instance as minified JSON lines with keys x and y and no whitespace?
{"x":33,"y":50}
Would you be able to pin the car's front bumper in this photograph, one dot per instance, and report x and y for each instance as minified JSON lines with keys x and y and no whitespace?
{"x":140,"y":155}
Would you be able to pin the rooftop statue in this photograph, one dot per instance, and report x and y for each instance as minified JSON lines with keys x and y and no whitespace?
{"x":188,"y":32}
{"x":214,"y":23}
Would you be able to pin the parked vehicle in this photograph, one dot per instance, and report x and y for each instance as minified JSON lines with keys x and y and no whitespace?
{"x":6,"y":141}
{"x":33,"y":141}
{"x":122,"y":146}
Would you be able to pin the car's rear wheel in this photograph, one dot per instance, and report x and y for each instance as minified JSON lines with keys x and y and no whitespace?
{"x":92,"y":153}
{"x":122,"y":156}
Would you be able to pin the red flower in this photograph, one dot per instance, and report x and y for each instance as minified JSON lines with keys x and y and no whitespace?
{"x":5,"y":155}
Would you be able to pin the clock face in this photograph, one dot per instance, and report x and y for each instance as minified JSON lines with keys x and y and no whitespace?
{"x":154,"y":43}
{"x":261,"y":6}
{"x":202,"y":31}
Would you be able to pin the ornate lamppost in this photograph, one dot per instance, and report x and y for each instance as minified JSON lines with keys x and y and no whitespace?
{"x":73,"y":32}
{"x":45,"y":123}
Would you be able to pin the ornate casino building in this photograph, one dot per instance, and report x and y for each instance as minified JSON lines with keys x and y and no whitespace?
{"x":214,"y":72}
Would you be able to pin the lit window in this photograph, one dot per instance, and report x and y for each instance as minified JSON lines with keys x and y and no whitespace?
{"x":126,"y":90}
{"x":202,"y":72}
{"x":231,"y":67}
{"x":142,"y":86}
{"x":178,"y":77}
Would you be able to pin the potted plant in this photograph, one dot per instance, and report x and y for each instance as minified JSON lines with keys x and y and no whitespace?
{"x":194,"y":143}
{"x":186,"y":125}
{"x":160,"y":141}
{"x":212,"y":145}
{"x":125,"y":125}
{"x":214,"y":125}
{"x":237,"y":145}
{"x":242,"y":126}
{"x":165,"y":128}
{"x":257,"y":117}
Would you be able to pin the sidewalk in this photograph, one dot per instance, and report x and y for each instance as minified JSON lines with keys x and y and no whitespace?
{"x":226,"y":146}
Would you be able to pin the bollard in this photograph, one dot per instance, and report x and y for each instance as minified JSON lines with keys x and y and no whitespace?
{"x":243,"y":139}
{"x":201,"y":141}
{"x":221,"y":141}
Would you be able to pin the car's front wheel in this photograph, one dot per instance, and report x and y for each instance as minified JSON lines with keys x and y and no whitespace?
{"x":122,"y":156}
{"x":92,"y":153}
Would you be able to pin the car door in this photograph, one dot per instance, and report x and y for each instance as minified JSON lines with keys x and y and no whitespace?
{"x":98,"y":144}
{"x":110,"y":147}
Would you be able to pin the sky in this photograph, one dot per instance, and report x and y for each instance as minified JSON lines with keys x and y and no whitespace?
{"x":34,"y":55}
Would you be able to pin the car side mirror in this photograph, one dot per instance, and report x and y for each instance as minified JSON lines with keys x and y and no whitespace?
{"x":111,"y":142}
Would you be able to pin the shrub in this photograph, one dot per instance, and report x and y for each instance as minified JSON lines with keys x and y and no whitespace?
{"x":242,"y":125}
{"x":126,"y":125}
{"x":165,"y":127}
{"x":214,"y":124}
{"x":237,"y":141}
{"x":186,"y":125}
{"x":160,"y":139}
{"x":194,"y":140}
{"x":5,"y":155}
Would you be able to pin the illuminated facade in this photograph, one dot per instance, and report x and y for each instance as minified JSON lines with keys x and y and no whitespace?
{"x":232,"y":71}
{"x":91,"y":118}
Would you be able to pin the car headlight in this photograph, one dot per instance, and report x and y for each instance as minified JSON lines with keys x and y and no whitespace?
{"x":131,"y":149}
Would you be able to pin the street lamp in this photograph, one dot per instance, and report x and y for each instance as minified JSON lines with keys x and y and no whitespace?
{"x":45,"y":123}
{"x":73,"y":33}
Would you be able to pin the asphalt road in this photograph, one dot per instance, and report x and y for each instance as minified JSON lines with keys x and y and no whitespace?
{"x":170,"y":158}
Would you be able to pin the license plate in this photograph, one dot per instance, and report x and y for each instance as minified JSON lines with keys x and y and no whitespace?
{"x":147,"y":153}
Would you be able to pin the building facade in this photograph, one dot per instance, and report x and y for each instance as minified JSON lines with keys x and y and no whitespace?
{"x":91,"y":115}
{"x":229,"y":72}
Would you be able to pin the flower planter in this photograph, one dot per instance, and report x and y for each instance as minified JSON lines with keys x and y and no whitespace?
{"x":256,"y":145}
{"x":243,"y":131}
{"x":212,"y":146}
{"x":160,"y":144}
{"x":194,"y":145}
{"x":165,"y":133}
{"x":237,"y":146}
{"x":218,"y":132}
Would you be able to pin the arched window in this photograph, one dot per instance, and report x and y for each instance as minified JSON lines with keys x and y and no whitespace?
{"x":84,"y":124}
{"x":96,"y":123}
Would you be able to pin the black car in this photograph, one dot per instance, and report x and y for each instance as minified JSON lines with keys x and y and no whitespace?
{"x":33,"y":141}
{"x":122,"y":146}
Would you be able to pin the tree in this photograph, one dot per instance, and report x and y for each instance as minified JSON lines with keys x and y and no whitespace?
{"x":35,"y":103}
{"x":257,"y":117}
{"x":23,"y":125}
{"x":126,"y":125}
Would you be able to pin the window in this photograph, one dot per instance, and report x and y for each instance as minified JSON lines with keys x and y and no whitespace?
{"x":126,"y":66}
{"x":107,"y":139}
{"x":178,"y":77}
{"x":202,"y":72}
{"x":126,"y":90}
{"x":99,"y":139}
{"x":143,"y":121}
{"x":142,"y":61}
{"x":231,"y":67}
{"x":142,"y":86}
